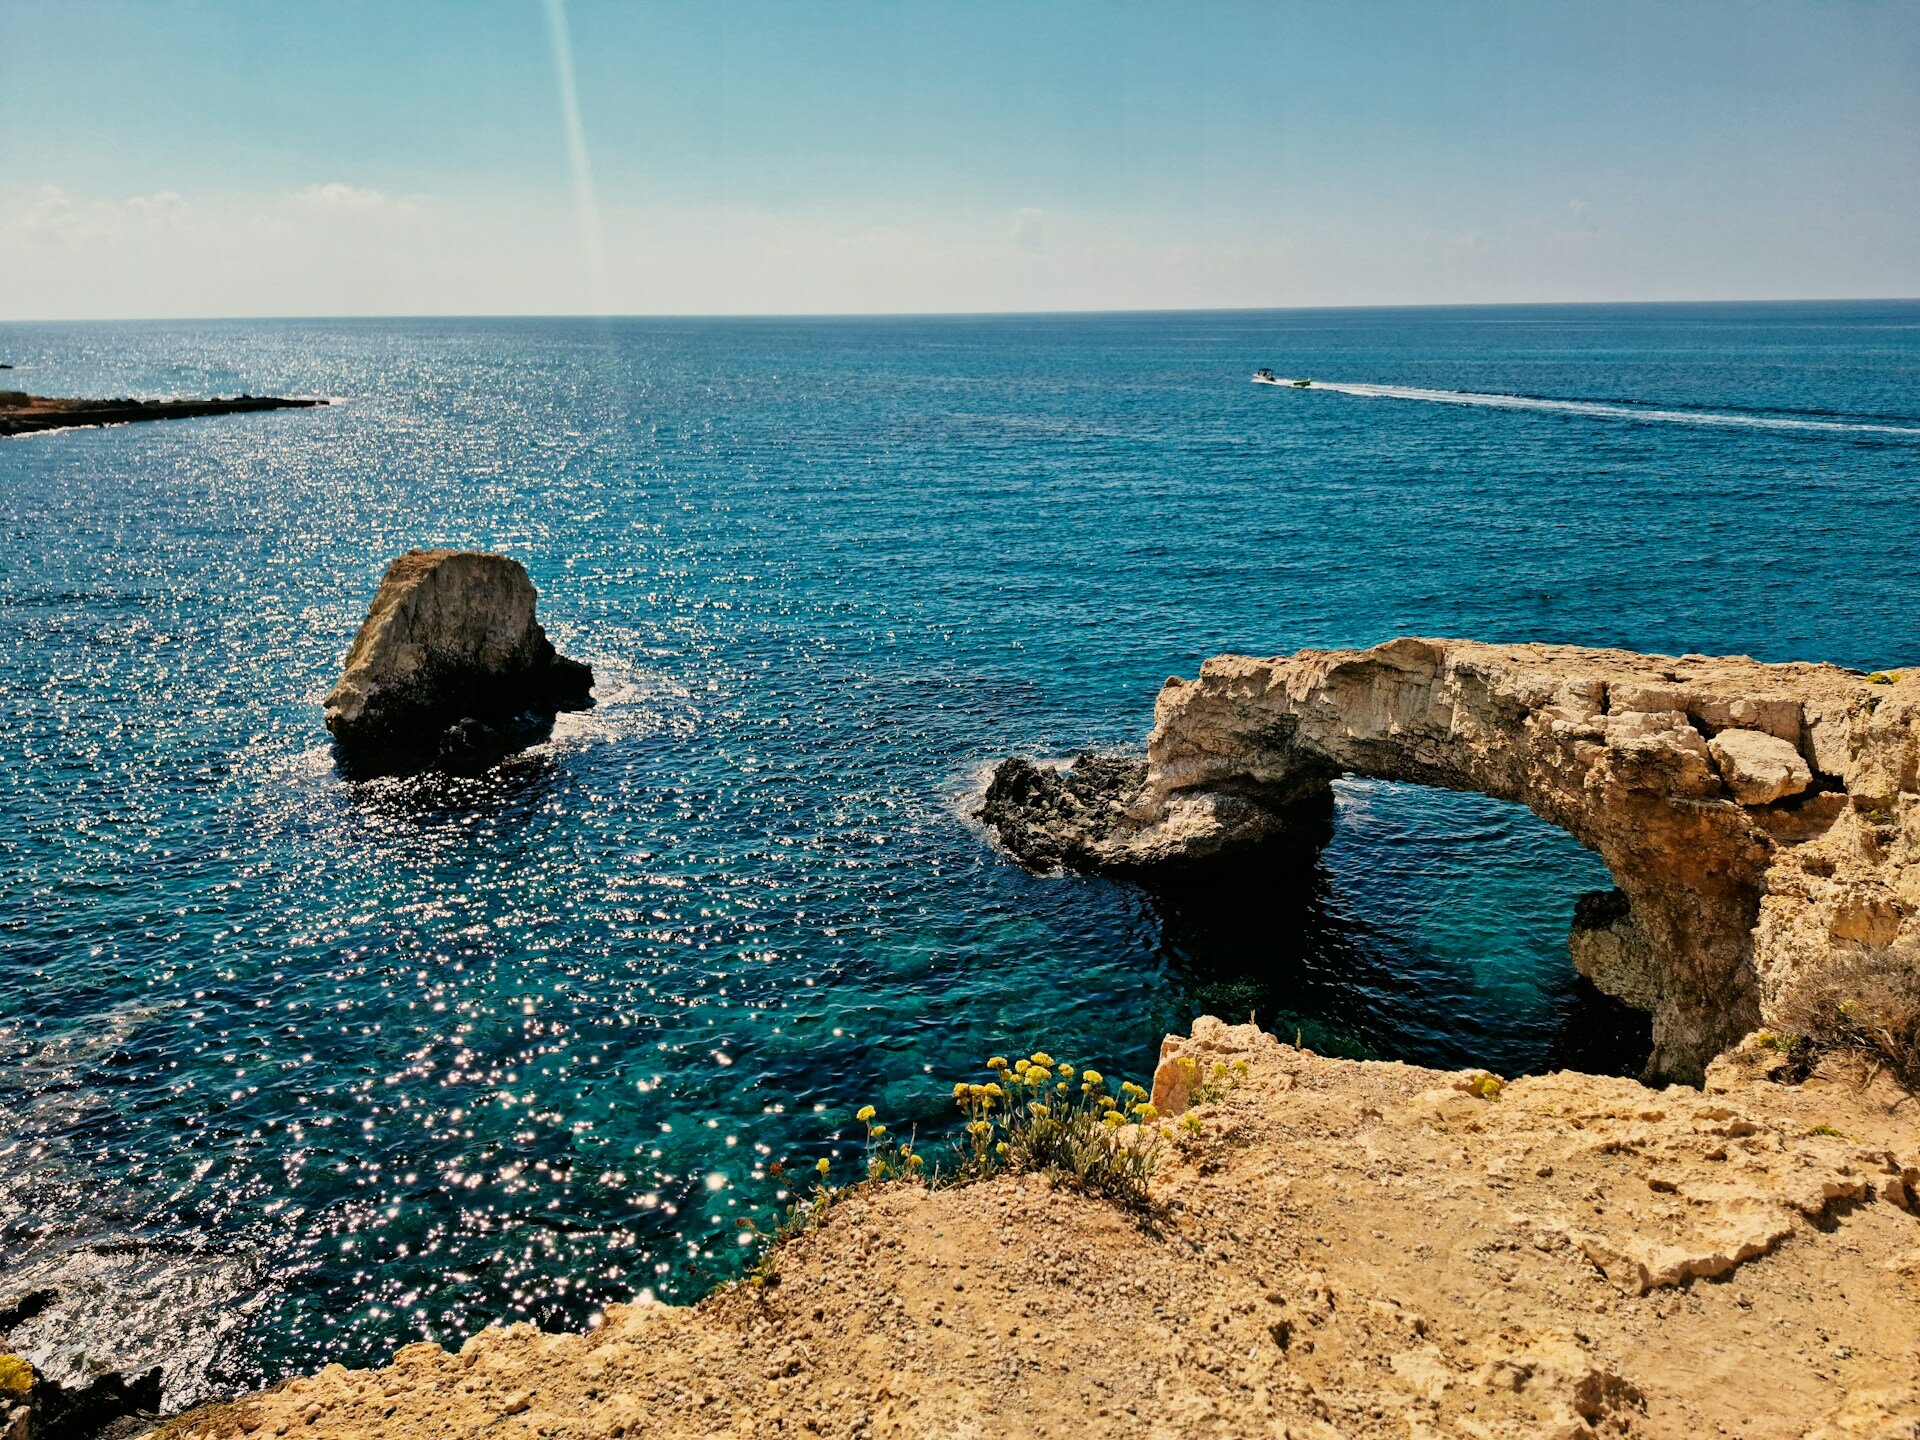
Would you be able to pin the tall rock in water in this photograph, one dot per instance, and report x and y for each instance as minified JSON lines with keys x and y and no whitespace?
{"x":450,"y":667}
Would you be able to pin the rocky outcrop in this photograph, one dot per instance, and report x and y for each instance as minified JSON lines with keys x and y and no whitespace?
{"x":450,"y":667}
{"x":1334,"y":1250}
{"x":23,"y":414}
{"x":35,"y":1406}
{"x":1760,"y":821}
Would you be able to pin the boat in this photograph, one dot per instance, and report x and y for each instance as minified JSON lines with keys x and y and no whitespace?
{"x":1264,"y":376}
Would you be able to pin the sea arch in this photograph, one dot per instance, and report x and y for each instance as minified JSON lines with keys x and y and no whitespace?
{"x":1750,"y":814}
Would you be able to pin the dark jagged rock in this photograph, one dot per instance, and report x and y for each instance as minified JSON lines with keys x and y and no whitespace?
{"x":108,"y":1407}
{"x":34,"y":1406}
{"x":22,"y":414}
{"x":450,"y":669}
{"x":1043,"y":815}
{"x":18,"y":1309}
{"x":1049,"y":817}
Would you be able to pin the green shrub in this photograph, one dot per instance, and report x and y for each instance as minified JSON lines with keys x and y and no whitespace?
{"x":1033,"y":1116}
{"x":1039,"y":1116}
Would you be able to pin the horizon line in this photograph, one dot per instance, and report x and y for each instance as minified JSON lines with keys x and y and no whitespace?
{"x":956,"y":314}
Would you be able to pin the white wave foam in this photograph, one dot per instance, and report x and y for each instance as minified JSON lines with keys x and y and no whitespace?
{"x":1603,"y":410}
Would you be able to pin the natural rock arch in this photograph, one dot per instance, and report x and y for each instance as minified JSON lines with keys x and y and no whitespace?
{"x":1759,"y":820}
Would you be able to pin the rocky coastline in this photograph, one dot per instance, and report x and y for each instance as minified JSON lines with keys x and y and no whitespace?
{"x":36,"y":1406}
{"x":1761,"y":821}
{"x":24,"y":414}
{"x":1333,"y":1250}
{"x":1325,"y":1248}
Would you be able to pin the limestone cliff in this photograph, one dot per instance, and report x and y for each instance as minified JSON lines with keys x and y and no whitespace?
{"x":1335,"y":1250}
{"x":1760,"y":820}
{"x":450,"y":664}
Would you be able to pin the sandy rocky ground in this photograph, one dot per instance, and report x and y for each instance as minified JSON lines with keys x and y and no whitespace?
{"x":1342,"y":1249}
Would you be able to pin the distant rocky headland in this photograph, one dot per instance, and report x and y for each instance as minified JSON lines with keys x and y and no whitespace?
{"x":23,"y":414}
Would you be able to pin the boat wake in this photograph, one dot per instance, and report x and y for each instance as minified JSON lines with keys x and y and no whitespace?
{"x":1599,"y":409}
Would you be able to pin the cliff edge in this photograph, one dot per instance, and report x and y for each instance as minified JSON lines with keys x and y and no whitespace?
{"x":1335,"y":1249}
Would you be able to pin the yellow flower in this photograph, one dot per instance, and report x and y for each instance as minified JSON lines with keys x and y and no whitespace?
{"x":1042,"y":1059}
{"x":823,"y":1165}
{"x":1001,"y":1148}
{"x":1040,"y":1112}
{"x":1132,"y":1091}
{"x":980,"y":1127}
{"x":998,"y":1062}
{"x":1146,"y":1113}
{"x":1092,"y":1077}
{"x":1066,"y":1069}
{"x":865,"y":1112}
{"x":915,"y":1162}
{"x":960,"y":1090}
{"x":993,"y":1091}
{"x":1113,"y":1119}
{"x":879,"y":1130}
{"x":1219,"y":1069}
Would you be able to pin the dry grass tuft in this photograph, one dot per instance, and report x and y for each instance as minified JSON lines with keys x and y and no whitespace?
{"x":1868,"y":1007}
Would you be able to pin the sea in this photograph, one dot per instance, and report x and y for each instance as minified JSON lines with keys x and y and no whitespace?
{"x":295,"y":1069}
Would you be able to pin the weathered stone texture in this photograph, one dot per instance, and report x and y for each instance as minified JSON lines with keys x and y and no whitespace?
{"x":1760,"y":820}
{"x":450,"y":662}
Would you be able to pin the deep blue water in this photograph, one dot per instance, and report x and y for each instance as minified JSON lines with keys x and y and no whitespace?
{"x":292,"y":1069}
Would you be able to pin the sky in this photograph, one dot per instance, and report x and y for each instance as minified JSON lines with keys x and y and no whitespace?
{"x":235,"y":158}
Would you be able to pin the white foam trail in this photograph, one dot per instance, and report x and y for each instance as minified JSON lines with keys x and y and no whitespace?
{"x":1602,"y":410}
{"x":586,"y":202}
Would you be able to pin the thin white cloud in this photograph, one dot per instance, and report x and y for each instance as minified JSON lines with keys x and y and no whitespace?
{"x":1029,"y":228}
{"x":55,"y":217}
{"x":336,"y":198}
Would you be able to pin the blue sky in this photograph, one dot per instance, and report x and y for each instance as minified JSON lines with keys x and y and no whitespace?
{"x":331,"y":158}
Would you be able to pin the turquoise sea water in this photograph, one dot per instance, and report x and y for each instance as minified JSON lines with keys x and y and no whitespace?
{"x":294,"y":1070}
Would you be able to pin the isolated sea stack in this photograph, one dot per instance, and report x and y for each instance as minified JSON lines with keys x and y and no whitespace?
{"x":450,"y":669}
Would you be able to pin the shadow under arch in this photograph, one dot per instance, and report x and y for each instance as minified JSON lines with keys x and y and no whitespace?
{"x":1418,"y":924}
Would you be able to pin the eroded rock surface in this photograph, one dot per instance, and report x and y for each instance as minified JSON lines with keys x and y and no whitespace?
{"x":1760,"y":820}
{"x":1340,"y":1250}
{"x":451,"y":666}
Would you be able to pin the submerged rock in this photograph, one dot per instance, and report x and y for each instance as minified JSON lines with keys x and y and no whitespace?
{"x":1762,"y":821}
{"x":450,"y":668}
